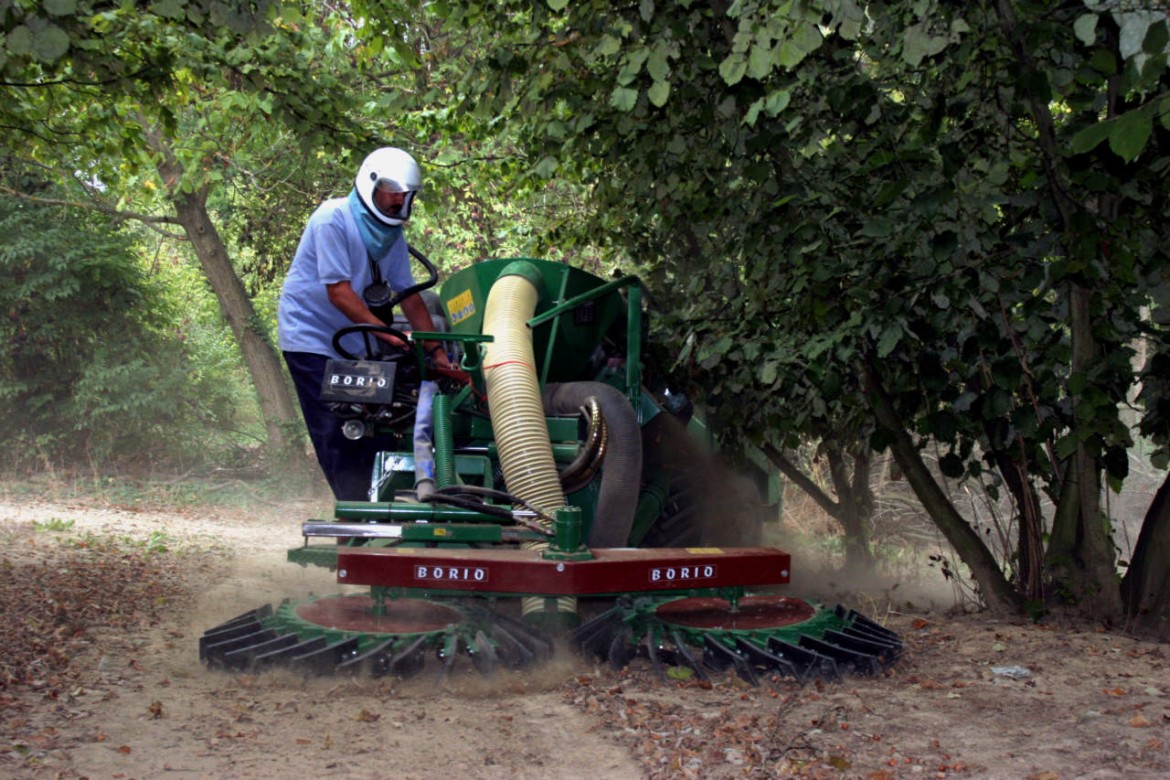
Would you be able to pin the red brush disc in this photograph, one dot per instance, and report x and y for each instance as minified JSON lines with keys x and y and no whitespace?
{"x":755,"y":613}
{"x":355,"y":613}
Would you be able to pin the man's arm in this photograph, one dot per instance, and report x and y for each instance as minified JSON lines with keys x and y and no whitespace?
{"x":349,"y":303}
{"x":419,"y":318}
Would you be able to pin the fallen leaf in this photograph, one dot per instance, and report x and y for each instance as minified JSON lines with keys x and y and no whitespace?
{"x":124,"y":750}
{"x":1114,"y":691}
{"x":1139,"y":721}
{"x":365,"y":716}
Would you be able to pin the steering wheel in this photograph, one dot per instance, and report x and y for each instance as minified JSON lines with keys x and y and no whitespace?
{"x":374,"y":346}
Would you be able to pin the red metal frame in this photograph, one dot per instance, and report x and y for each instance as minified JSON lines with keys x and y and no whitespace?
{"x":610,"y":571}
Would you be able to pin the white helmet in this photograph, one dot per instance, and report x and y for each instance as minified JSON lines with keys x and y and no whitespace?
{"x":392,"y":170}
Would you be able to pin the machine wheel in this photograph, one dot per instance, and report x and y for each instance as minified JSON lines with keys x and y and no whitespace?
{"x":760,"y":635}
{"x":707,"y":504}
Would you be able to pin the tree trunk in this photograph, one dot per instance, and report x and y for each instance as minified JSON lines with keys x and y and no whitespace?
{"x":276,"y":403}
{"x":855,"y":503}
{"x":1030,"y":539}
{"x":280,"y":412}
{"x":1146,"y":587}
{"x":1081,"y":555}
{"x":997,"y":592}
{"x":853,"y":508}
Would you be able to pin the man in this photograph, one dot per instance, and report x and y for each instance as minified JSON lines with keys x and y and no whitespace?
{"x":351,"y":255}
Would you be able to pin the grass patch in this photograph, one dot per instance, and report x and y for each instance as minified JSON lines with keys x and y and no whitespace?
{"x":54,"y":525}
{"x":162,"y":493}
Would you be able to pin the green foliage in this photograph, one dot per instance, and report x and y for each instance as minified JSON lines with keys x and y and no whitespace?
{"x":208,"y":86}
{"x":484,"y":194}
{"x":815,"y":201}
{"x":53,"y":524}
{"x":156,"y":543}
{"x":968,"y":202}
{"x":260,"y":111}
{"x":82,"y":34}
{"x":94,"y":363}
{"x":154,"y":111}
{"x":963,"y":203}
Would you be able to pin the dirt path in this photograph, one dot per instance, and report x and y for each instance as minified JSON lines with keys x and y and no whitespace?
{"x":972,"y":698}
{"x":142,"y":706}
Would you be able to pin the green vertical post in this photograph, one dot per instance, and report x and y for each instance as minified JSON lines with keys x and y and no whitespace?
{"x":634,"y":348}
{"x":567,"y":543}
{"x":554,"y":332}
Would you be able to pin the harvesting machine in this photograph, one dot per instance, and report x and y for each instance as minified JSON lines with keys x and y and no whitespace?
{"x":539,"y":496}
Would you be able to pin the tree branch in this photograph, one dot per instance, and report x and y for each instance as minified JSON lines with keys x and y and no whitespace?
{"x":150,"y":220}
{"x":997,"y":592}
{"x":72,"y":82}
{"x":801,"y":480}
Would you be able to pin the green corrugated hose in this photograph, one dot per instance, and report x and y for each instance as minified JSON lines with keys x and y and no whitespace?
{"x":444,"y":442}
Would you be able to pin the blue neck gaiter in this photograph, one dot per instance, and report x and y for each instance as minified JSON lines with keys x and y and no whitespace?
{"x":377,"y":237}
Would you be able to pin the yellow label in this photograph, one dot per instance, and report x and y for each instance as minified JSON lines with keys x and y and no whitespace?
{"x":439,"y":532}
{"x":461,"y":307}
{"x":705,"y":550}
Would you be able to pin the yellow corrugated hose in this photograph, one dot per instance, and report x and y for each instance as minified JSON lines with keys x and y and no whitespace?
{"x":513,"y":392}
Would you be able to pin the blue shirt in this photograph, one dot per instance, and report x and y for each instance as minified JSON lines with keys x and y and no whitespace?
{"x":331,"y":250}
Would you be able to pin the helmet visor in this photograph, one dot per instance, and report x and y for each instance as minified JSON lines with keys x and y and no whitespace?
{"x":391,"y":199}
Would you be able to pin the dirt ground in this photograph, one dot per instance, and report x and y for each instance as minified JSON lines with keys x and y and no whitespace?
{"x":101,"y":609}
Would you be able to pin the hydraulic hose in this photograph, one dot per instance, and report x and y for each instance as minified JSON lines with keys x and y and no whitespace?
{"x":621,"y":476}
{"x":588,"y":462}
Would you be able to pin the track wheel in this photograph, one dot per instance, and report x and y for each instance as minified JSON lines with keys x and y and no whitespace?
{"x":356,"y":634}
{"x":762,"y":635}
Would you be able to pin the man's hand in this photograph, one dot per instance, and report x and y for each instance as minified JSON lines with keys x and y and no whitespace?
{"x":393,"y":341}
{"x":420,"y":319}
{"x":442,"y":360}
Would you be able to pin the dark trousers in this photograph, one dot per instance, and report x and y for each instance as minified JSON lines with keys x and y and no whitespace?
{"x":348,"y":465}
